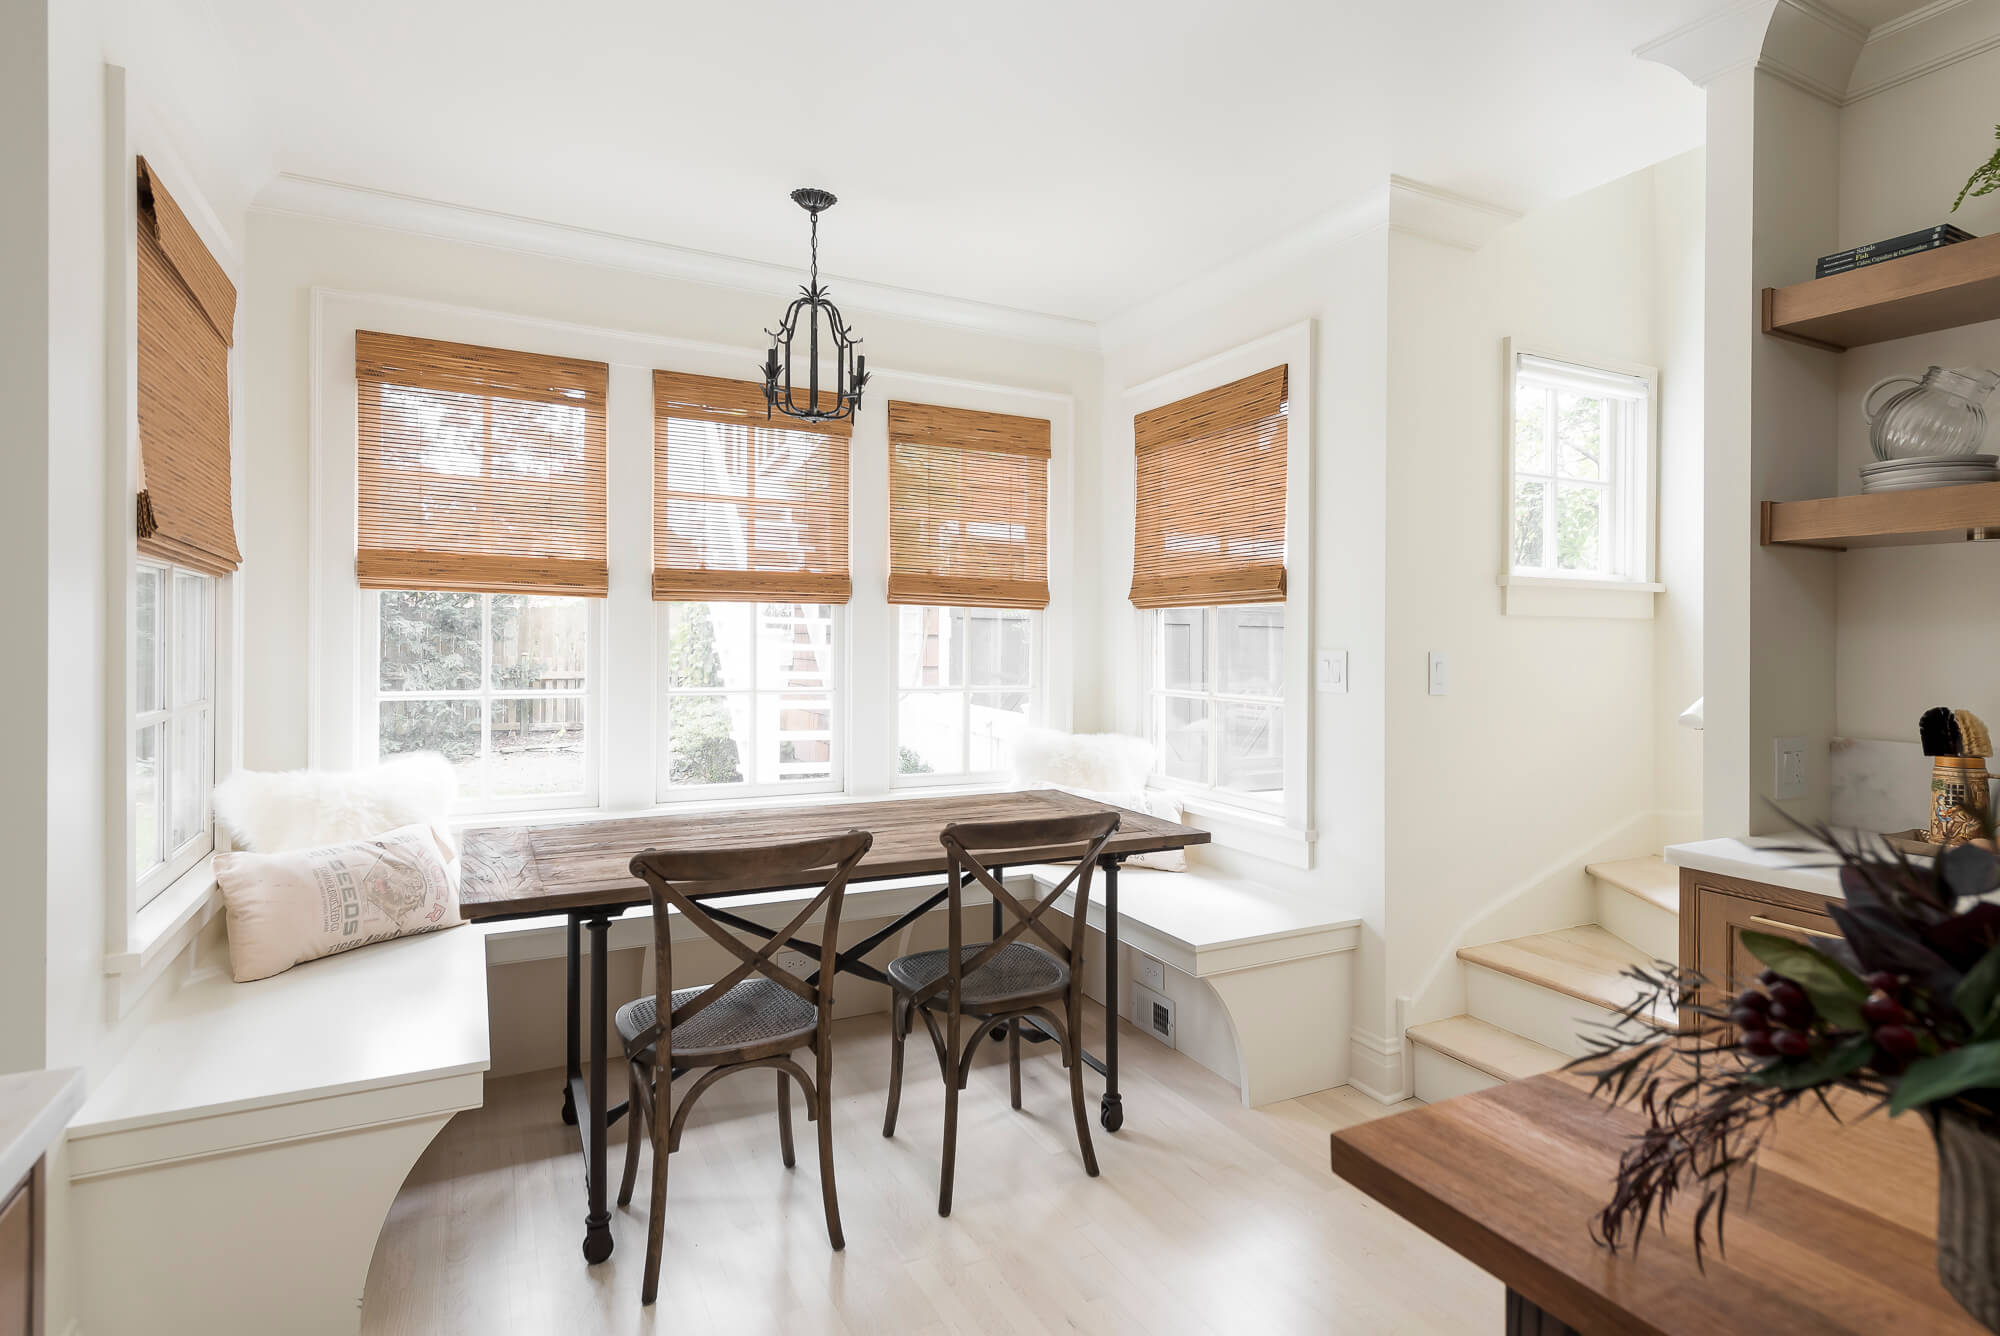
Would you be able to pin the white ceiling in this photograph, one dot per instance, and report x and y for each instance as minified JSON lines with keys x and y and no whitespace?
{"x":1064,"y":157}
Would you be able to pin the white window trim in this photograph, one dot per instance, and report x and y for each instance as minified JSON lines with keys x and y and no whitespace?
{"x":676,"y":798}
{"x":1279,"y":831}
{"x":1187,"y":790}
{"x":141,"y":939}
{"x":970,"y":778}
{"x":628,"y":686}
{"x":368,"y":608}
{"x":1549,"y":594}
{"x":174,"y":862}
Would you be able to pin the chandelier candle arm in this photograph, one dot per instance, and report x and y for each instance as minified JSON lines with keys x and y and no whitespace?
{"x":850,"y":366}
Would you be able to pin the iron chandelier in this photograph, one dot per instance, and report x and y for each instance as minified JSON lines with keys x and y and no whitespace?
{"x":850,"y":370}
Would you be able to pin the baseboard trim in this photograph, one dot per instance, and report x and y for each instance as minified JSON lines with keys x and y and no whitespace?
{"x":1376,"y":1066}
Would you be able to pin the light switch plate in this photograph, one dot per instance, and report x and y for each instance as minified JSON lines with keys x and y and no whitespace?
{"x":1788,"y":778}
{"x":1437,"y":672}
{"x":1330,"y":670}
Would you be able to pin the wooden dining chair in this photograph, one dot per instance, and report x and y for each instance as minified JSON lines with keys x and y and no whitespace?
{"x":756,"y":1015}
{"x":1004,"y":983}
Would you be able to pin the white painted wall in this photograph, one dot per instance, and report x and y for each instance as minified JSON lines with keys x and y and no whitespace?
{"x":1545,"y":753}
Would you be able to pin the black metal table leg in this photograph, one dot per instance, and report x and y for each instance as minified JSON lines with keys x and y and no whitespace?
{"x":573,"y":1058}
{"x":1112,"y":1110}
{"x":597,"y":1224}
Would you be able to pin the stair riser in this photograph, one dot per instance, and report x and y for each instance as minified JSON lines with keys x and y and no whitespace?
{"x":1439,"y":1076}
{"x":1639,"y":921}
{"x":1530,"y":1010}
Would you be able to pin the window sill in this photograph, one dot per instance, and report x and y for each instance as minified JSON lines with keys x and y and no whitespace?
{"x":1554,"y":596}
{"x":161,"y":930}
{"x":1244,"y":829}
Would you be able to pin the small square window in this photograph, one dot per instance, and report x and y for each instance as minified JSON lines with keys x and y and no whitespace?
{"x":1580,"y":472}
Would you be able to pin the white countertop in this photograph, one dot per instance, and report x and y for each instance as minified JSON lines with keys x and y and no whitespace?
{"x":34,"y":1109}
{"x":1797,"y":862}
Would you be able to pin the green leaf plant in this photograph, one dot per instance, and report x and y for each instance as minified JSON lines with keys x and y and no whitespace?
{"x":1984,"y":180}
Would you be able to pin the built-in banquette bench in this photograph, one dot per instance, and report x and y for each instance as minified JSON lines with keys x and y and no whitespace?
{"x":232,"y":1172}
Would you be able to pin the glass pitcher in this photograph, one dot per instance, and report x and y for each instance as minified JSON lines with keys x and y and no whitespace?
{"x":1940,"y":414}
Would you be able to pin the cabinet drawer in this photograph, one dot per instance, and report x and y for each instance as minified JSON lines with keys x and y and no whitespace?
{"x":1717,"y":911}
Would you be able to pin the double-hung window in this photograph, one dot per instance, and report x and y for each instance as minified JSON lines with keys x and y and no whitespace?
{"x":186,"y":536}
{"x":481,"y":541}
{"x":968,"y":574}
{"x":750,"y":572}
{"x":1579,"y":471}
{"x":1208,"y":571}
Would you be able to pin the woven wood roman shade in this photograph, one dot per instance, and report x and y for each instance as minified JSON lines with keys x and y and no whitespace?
{"x":745,"y":508}
{"x":186,"y":315}
{"x":968,"y":508}
{"x":480,"y":469}
{"x":1210,"y":521}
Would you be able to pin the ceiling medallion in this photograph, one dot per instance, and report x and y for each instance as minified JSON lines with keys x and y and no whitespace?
{"x":850,"y":371}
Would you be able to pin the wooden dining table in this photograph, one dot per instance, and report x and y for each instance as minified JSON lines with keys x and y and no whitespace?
{"x":1837,"y":1233}
{"x":582,"y":870}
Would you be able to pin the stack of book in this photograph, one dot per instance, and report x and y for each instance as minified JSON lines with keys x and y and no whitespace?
{"x":1910,"y":243}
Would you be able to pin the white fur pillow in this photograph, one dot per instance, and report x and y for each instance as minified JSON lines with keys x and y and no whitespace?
{"x":1101,"y":762}
{"x":273,"y":810}
{"x":288,"y":908}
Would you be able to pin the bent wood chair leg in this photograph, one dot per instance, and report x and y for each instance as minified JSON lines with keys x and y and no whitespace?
{"x":824,"y":1102}
{"x":635,"y":1105}
{"x":951,"y":1088}
{"x":656,"y":1220}
{"x":1073,"y":1058}
{"x":899,"y":1030}
{"x":785,"y":1117}
{"x":1014,"y":1059}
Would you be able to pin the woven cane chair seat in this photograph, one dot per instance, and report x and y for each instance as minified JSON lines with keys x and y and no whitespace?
{"x":1017,"y":971}
{"x":754,"y":1012}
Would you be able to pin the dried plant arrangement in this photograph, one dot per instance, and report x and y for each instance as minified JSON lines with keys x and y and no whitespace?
{"x":1903,"y":1010}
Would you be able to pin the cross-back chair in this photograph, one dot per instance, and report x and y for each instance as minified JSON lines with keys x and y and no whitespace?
{"x":756,"y":1015}
{"x":1008,"y":981}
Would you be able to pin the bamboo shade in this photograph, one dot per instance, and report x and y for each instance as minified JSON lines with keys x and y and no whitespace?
{"x":1209,"y":527}
{"x":480,"y":469}
{"x":186,"y":317}
{"x":968,"y":508}
{"x":745,"y":508}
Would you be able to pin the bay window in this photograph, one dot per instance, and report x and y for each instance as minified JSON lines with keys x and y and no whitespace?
{"x":173,"y":745}
{"x":751,"y":695}
{"x":966,"y":682}
{"x":1216,"y":708}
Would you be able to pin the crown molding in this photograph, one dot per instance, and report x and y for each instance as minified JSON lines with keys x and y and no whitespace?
{"x":1713,"y":45}
{"x":1823,"y":53}
{"x":1444,"y":216}
{"x":1211,"y":287}
{"x":308,"y":197}
{"x":1922,"y":43}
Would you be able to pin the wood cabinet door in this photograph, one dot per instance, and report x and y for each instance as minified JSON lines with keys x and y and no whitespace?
{"x":1717,"y":911}
{"x":18,"y":1281}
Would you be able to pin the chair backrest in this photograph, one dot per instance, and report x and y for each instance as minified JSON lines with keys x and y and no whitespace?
{"x":680,"y":879}
{"x":978,"y":847}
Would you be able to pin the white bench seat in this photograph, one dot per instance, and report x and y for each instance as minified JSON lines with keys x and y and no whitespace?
{"x":271,"y":1124}
{"x":1277,"y":961}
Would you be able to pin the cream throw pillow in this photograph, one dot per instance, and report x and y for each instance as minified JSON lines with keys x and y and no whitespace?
{"x":287,"y":908}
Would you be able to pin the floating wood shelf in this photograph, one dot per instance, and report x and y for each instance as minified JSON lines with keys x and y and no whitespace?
{"x":1885,"y":519}
{"x":1940,"y":289}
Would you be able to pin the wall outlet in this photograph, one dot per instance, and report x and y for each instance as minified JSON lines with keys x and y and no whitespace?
{"x":1149,"y":972}
{"x":1788,"y":779}
{"x":798,"y":962}
{"x":1153,"y":1012}
{"x":1437,"y":672}
{"x":1330,"y":670}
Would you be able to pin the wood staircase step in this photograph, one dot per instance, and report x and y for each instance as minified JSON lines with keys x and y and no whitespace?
{"x":1652,"y":879}
{"x":1586,"y":963}
{"x":1499,"y":1053}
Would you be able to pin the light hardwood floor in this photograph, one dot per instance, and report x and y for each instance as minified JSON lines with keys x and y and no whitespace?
{"x":1208,"y":1217}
